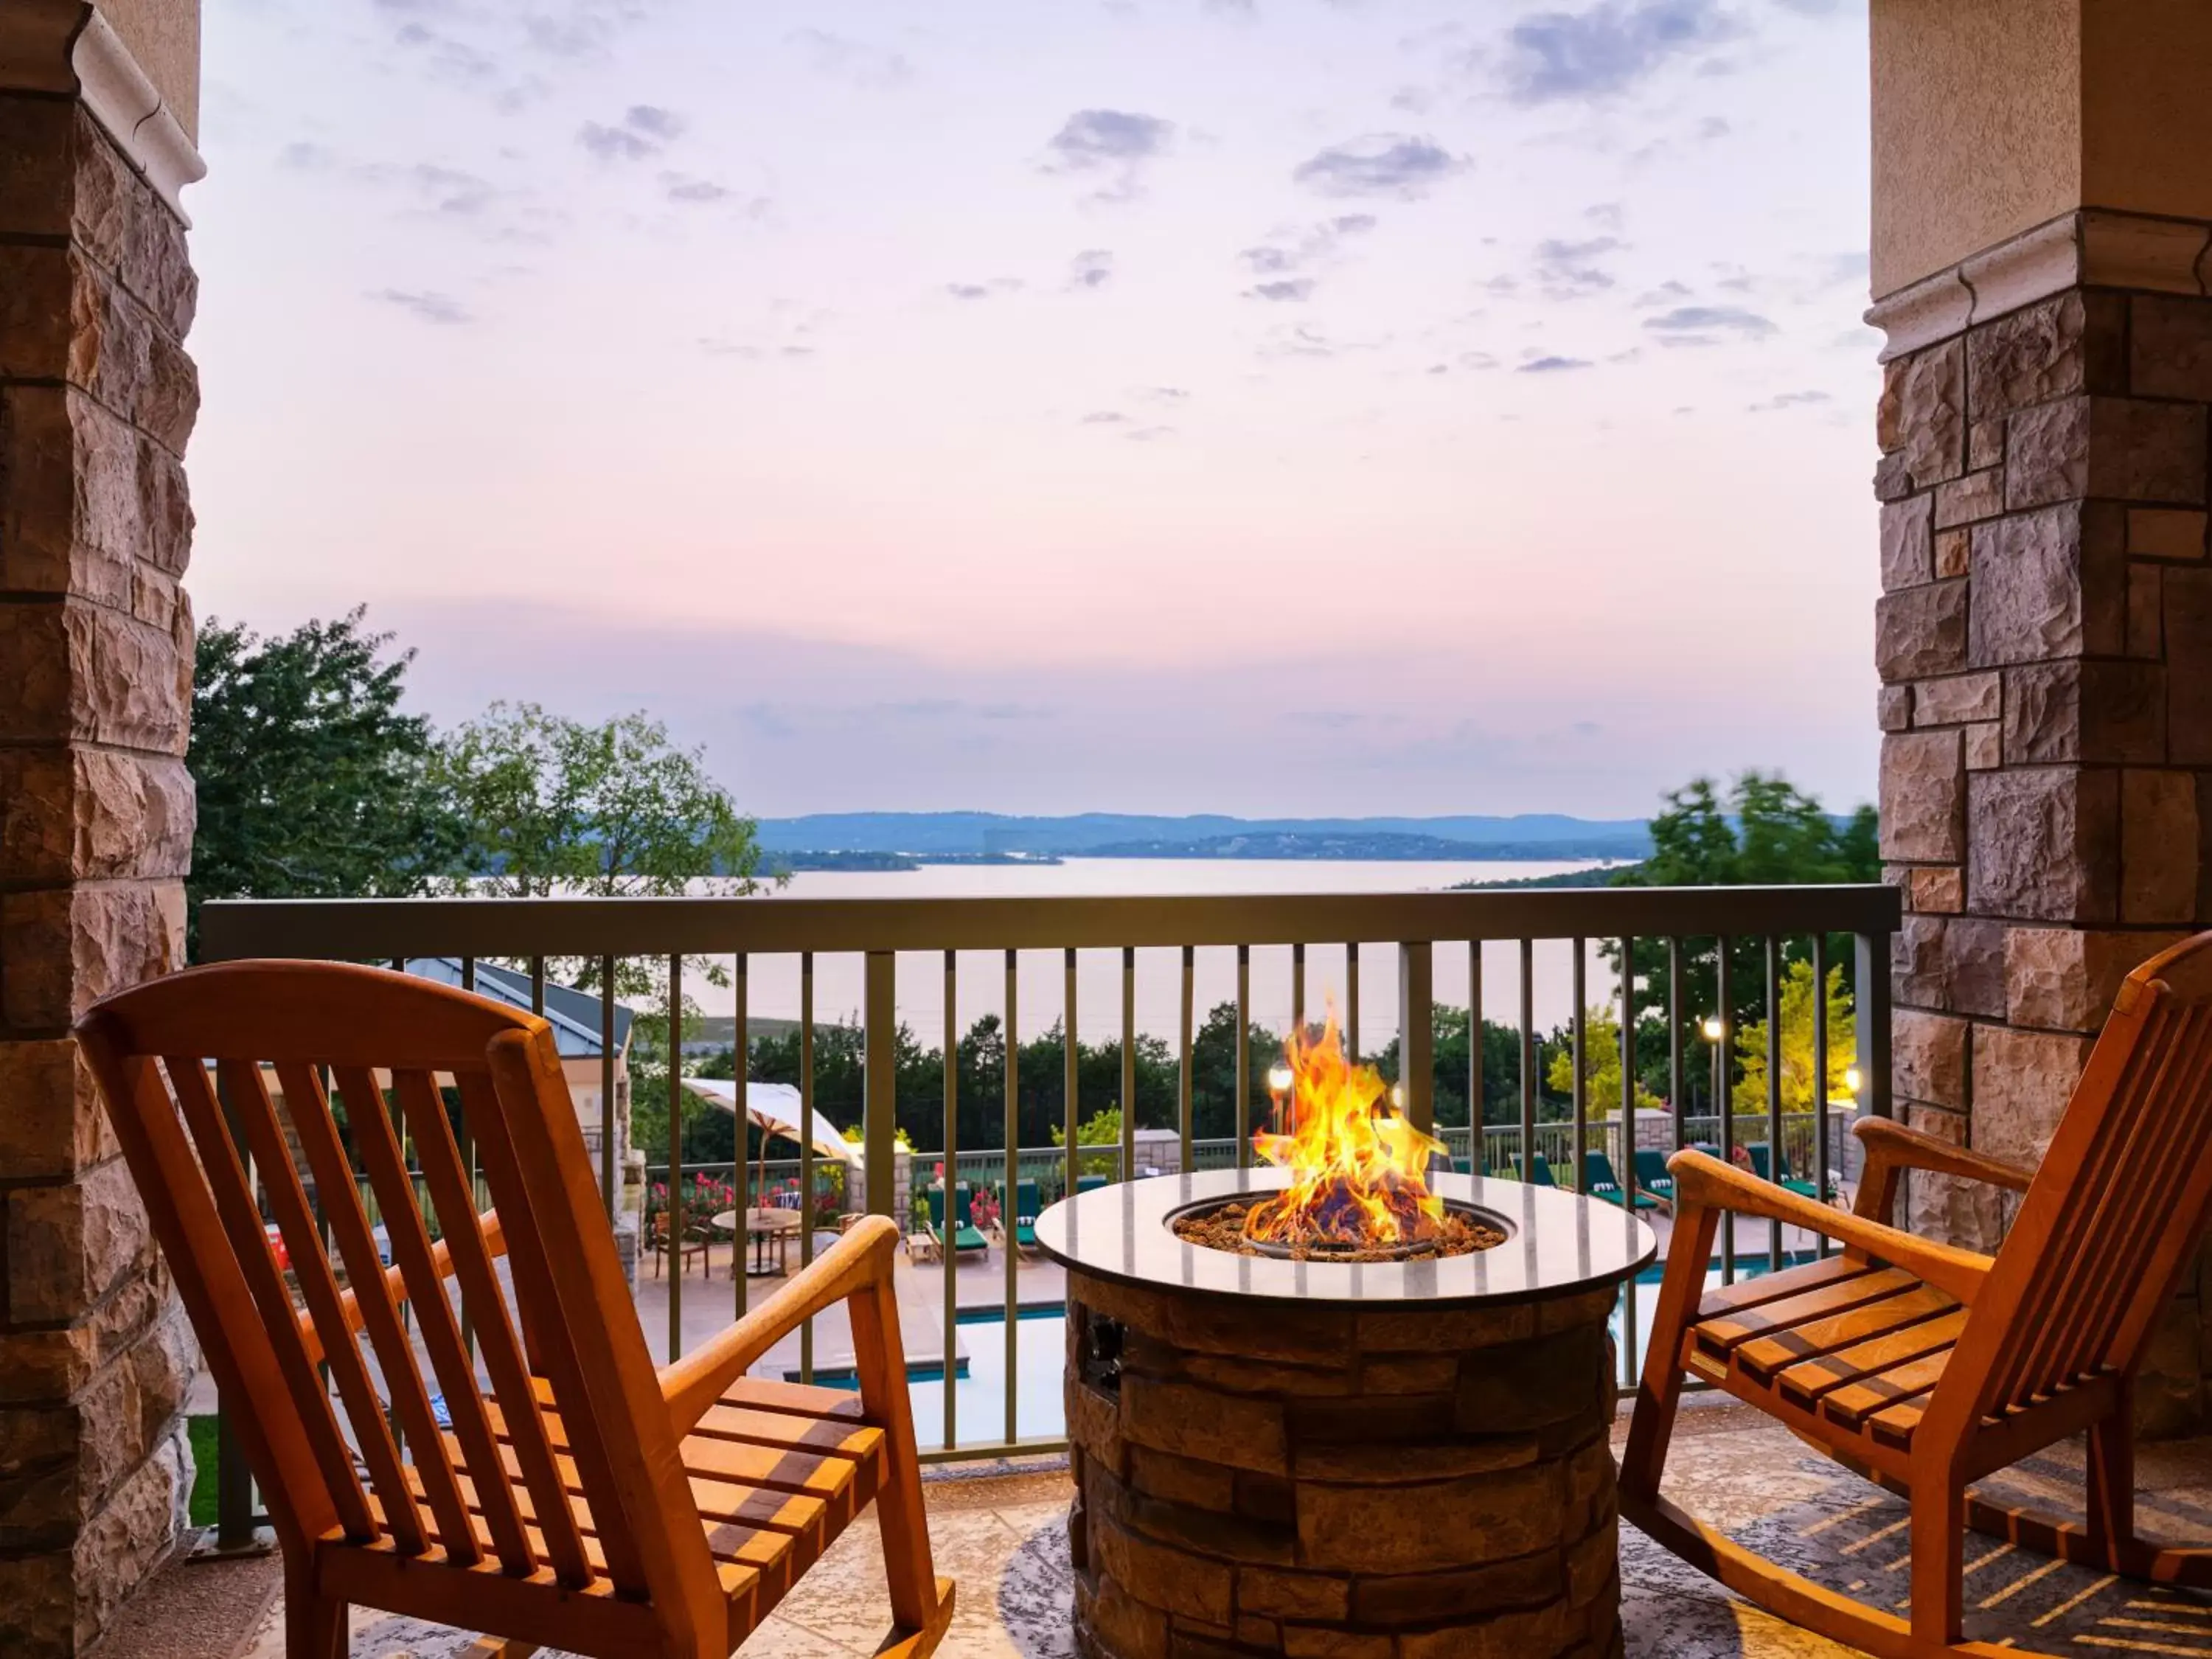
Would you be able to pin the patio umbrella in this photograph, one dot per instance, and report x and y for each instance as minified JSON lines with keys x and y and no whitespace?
{"x":774,"y":1108}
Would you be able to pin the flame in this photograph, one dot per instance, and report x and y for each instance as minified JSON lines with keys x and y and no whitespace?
{"x":1356,"y":1165}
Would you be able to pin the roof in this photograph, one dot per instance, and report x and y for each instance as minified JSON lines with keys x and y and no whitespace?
{"x":574,"y":1015}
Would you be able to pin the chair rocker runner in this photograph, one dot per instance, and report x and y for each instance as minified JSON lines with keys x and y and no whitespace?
{"x":580,"y":1499}
{"x":1925,"y":1367}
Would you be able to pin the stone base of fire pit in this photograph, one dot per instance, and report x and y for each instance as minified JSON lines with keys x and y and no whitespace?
{"x":1341,"y":1478}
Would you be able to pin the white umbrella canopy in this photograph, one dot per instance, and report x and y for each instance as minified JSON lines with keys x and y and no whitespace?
{"x":774,"y":1108}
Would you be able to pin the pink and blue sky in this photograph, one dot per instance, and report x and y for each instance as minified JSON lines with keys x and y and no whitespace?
{"x":1164,"y":405}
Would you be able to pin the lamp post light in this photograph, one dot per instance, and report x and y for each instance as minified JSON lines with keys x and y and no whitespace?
{"x":1713,"y":1028}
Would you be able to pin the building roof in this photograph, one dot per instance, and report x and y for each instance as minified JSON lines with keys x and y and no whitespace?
{"x":574,"y":1015}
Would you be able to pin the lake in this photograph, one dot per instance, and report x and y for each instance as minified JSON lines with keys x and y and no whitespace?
{"x":774,"y":988}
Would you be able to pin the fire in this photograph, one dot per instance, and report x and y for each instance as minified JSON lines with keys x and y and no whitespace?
{"x":1357,"y":1164}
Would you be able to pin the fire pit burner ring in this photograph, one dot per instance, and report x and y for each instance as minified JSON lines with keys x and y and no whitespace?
{"x":1476,"y":1229}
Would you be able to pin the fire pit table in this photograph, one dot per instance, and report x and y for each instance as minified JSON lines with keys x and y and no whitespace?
{"x":1406,"y":1459}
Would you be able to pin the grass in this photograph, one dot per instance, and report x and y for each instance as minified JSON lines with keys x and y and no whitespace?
{"x":204,"y":1434}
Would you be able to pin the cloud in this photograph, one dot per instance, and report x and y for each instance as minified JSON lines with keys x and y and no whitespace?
{"x":1093,"y":268}
{"x":645,"y":130}
{"x":1783,"y":400}
{"x":1292,"y":289}
{"x":1379,"y":164}
{"x":1605,"y":49}
{"x":1104,"y":417}
{"x":689,"y":192}
{"x":1668,"y":293}
{"x":1266,"y":261}
{"x":1292,"y":249}
{"x":1551,"y":365}
{"x":1114,"y":144}
{"x":426,"y":307}
{"x":1477,"y":360}
{"x":1708,"y":325}
{"x":996,"y":286}
{"x":1165,"y":394}
{"x":1149,"y":434}
{"x":855,"y":61}
{"x":1566,"y":270}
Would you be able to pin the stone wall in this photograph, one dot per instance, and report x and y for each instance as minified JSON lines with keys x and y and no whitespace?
{"x":97,"y":398}
{"x":2044,"y":642}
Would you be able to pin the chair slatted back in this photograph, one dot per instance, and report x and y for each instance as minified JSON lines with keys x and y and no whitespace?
{"x":2120,"y":1200}
{"x":342,"y":1433}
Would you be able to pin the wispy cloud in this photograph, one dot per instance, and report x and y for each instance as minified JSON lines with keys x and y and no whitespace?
{"x":1091,"y":268}
{"x":1292,"y":289}
{"x":1379,"y":164}
{"x":645,"y":130}
{"x":1113,"y":144}
{"x":1551,"y":365}
{"x":991,"y":289}
{"x":1605,"y":49}
{"x":425,"y":306}
{"x":1567,"y":270}
{"x":1709,"y":325}
{"x":1783,"y":400}
{"x":855,"y":61}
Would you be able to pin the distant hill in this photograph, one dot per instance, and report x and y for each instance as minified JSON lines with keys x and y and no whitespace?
{"x":1529,"y":835}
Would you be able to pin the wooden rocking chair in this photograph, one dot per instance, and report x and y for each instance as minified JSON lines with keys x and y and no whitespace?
{"x":1926,"y":1368}
{"x":579,"y":1499}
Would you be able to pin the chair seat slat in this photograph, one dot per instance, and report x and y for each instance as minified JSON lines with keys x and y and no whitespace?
{"x":1809,"y":1380}
{"x":1763,"y":1356}
{"x":1723,"y":1335}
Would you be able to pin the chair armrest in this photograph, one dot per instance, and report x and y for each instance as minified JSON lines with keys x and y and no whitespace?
{"x":441,"y":1258}
{"x":1892,"y":1149}
{"x":857,"y":1262}
{"x":1703,"y":1182}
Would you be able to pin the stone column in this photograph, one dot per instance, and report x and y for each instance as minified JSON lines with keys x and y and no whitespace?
{"x":2043,"y":250}
{"x":96,"y":400}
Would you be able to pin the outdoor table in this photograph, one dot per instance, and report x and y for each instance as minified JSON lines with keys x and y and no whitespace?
{"x":764,"y":1227}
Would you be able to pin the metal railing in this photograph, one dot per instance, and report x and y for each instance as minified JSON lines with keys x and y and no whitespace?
{"x":1690,"y":927}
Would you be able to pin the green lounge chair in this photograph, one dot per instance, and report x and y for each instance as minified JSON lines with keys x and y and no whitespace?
{"x":1601,"y":1181}
{"x":1789,"y":1183}
{"x":1090,"y":1183}
{"x":1021,"y":1218}
{"x":1542,"y":1175}
{"x":1652,"y":1175}
{"x":967,"y":1236}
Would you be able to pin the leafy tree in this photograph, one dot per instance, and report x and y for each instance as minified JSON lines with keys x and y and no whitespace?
{"x":1600,"y":1067}
{"x":1797,"y":1067}
{"x":1101,"y":1128}
{"x":313,"y":784}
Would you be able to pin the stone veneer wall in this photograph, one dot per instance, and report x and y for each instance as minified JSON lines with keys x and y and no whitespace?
{"x":2045,"y":641}
{"x":96,"y":400}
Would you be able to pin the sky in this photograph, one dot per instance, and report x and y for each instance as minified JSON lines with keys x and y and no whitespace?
{"x":1290,"y":406}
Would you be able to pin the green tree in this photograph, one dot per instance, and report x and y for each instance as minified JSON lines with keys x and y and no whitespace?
{"x":1600,"y":1067}
{"x":1797,"y":1069}
{"x":313,"y":783}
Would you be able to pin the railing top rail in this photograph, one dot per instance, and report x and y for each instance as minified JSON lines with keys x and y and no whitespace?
{"x":374,"y":929}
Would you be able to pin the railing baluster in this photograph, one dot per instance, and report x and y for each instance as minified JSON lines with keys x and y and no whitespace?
{"x":1774,"y":1091}
{"x":1128,"y":1169}
{"x":675,"y":1217}
{"x":1723,"y":1107}
{"x":1417,"y":1033}
{"x":1352,"y":1000}
{"x":741,"y":1177}
{"x":607,"y":1176}
{"x":1675,"y":1104}
{"x":1477,"y":1148}
{"x":1870,"y":993}
{"x":1581,"y":1088}
{"x":879,"y":1061}
{"x":1820,"y":1080}
{"x":1527,"y":1060}
{"x":1243,"y":1056}
{"x":1184,"y":1106}
{"x":537,"y":986}
{"x":1013,"y":1142}
{"x":1070,"y":1053}
{"x":806,"y":1148}
{"x":949,"y":1341}
{"x":1299,"y":988}
{"x":1627,"y":1171}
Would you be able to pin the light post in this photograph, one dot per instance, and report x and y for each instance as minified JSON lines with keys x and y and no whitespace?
{"x":1713,"y":1028}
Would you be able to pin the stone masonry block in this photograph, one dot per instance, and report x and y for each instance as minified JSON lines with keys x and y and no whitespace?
{"x":1923,"y":413}
{"x":2044,"y":844}
{"x":90,"y":674}
{"x":2022,"y":1081}
{"x":84,"y":814}
{"x":1956,"y":700}
{"x":2119,"y":448}
{"x":2085,"y":711}
{"x":2048,"y":584}
{"x":2065,"y":978}
{"x":1967,"y":1213}
{"x":64,"y":319}
{"x":1984,"y":746}
{"x":1938,"y":890}
{"x":1922,"y":797}
{"x":2146,"y":601}
{"x":52,"y":1122}
{"x":2160,"y":837}
{"x":2170,"y":347}
{"x":1921,"y":631}
{"x":1893,"y":707}
{"x":2160,"y":532}
{"x":1907,"y":542}
{"x":1954,"y":553}
{"x":1963,"y":501}
{"x":2070,"y":343}
{"x":62,"y":950}
{"x":1928,"y":1058}
{"x":2187,"y":597}
{"x":68,"y":1245}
